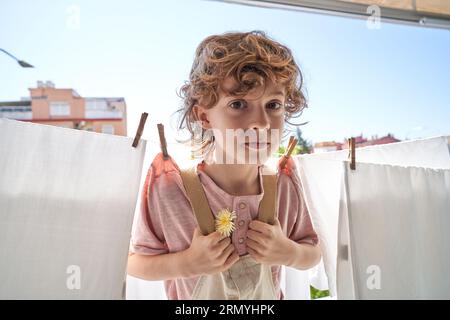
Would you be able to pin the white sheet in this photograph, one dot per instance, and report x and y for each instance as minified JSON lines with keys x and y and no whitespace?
{"x":67,"y":200}
{"x":321,"y":178}
{"x":398,"y":230}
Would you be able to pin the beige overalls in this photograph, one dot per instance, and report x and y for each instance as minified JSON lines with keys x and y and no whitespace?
{"x":246,"y":279}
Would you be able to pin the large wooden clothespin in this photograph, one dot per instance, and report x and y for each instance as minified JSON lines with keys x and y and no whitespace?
{"x":162,"y":140}
{"x":291,"y":138}
{"x":140,"y":129}
{"x":351,"y":153}
{"x":291,"y":145}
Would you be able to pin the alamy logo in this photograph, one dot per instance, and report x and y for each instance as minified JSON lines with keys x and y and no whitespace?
{"x":373,"y":281}
{"x":73,"y":281}
{"x":373,"y":21}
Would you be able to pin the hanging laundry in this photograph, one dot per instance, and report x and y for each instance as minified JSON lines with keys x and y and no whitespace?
{"x":67,"y":200}
{"x":321,"y":175}
{"x":394,"y":233}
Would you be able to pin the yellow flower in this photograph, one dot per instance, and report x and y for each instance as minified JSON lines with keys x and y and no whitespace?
{"x":224,"y":222}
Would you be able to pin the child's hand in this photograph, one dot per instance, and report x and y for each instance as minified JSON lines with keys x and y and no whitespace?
{"x":267,"y":243}
{"x":211,"y":254}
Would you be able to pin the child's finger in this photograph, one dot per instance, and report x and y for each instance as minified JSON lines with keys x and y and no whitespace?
{"x":254,"y":245}
{"x":259,"y":226}
{"x":227,"y":252}
{"x":253,"y":253}
{"x":255,"y":235}
{"x":197,"y":233}
{"x":224,"y":243}
{"x":232,"y":259}
{"x":216,"y":236}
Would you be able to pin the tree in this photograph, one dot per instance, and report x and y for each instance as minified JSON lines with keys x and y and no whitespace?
{"x":303,"y":145}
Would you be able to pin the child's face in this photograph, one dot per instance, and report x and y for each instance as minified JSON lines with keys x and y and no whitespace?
{"x":239,"y":123}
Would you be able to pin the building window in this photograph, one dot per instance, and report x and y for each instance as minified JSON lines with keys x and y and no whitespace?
{"x":96,"y":105}
{"x":108,"y":128}
{"x":59,"y":109}
{"x":16,"y":112}
{"x":97,"y":108}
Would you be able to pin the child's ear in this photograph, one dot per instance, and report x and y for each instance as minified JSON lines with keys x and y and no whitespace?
{"x":201,"y":115}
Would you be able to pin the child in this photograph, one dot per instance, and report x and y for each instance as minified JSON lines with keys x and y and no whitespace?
{"x":239,"y":83}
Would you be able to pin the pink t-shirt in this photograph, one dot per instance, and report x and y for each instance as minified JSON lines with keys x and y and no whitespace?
{"x":166,"y":221}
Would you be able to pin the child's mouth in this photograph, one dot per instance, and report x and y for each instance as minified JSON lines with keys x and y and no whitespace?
{"x":257,"y":145}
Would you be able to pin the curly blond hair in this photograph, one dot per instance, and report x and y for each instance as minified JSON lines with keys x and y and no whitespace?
{"x":250,"y":58}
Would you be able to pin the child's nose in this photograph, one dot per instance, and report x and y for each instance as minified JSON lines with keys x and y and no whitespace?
{"x":260,"y":121}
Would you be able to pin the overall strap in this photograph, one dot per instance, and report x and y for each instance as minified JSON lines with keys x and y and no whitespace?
{"x":199,"y":203}
{"x":268,"y":208}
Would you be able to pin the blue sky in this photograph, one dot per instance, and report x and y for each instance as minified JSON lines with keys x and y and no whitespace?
{"x":359,"y":80}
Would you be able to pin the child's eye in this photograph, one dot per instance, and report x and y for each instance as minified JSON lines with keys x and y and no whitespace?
{"x":274,"y":105}
{"x":238,"y":104}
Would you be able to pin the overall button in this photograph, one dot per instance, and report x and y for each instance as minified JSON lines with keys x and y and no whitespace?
{"x":241,"y":240}
{"x":242,"y":205}
{"x":241,"y":223}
